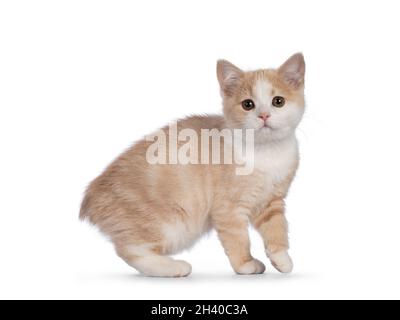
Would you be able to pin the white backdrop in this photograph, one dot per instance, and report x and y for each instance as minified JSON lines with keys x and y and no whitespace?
{"x":81,"y":80}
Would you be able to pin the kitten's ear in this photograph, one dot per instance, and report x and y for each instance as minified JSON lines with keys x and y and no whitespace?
{"x":228,"y":76}
{"x":293,"y":70}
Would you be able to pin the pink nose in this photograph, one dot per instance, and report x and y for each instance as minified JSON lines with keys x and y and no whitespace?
{"x":264,"y":116}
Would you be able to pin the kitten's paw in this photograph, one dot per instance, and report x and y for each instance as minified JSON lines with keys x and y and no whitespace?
{"x":281,"y":261}
{"x":162,"y":267}
{"x":252,"y":267}
{"x":182,"y":269}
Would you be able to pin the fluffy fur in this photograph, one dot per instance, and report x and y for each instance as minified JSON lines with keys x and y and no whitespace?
{"x":150,"y":211}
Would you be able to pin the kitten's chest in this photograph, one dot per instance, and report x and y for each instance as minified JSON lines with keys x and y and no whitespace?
{"x":272,"y":167}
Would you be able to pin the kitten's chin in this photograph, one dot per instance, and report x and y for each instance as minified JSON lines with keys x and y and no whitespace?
{"x":268,"y":134}
{"x":264,"y":131}
{"x":263,"y":135}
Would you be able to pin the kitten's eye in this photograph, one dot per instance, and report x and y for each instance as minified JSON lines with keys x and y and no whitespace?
{"x":248,"y":104}
{"x":278,"y":102}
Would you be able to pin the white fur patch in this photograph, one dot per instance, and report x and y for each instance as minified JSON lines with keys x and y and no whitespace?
{"x":262,"y":92}
{"x":178,"y":236}
{"x":281,"y":261}
{"x":252,"y":267}
{"x":151,"y":264}
{"x":276,"y":159}
{"x":160,"y":266}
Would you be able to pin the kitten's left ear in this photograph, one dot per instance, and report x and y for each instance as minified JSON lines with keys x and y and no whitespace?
{"x":293,"y":70}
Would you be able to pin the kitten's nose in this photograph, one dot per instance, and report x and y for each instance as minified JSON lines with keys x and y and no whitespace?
{"x":264,"y":116}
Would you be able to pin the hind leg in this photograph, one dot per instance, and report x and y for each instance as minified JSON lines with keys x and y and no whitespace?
{"x":151,"y":263}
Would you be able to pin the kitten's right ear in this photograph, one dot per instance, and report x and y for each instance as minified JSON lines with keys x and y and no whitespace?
{"x":228,"y":77}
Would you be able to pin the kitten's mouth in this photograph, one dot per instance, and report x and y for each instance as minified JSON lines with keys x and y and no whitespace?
{"x":265,"y":126}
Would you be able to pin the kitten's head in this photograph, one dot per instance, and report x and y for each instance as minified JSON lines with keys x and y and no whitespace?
{"x":271,"y":101}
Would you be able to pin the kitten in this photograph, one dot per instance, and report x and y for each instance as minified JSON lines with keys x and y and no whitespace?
{"x":150,"y":211}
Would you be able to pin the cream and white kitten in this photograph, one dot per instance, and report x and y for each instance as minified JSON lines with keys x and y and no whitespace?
{"x":151,"y":211}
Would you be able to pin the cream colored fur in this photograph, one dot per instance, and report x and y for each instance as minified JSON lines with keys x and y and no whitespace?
{"x":150,"y":211}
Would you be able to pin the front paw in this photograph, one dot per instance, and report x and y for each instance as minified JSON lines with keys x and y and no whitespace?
{"x":251,"y":267}
{"x":281,"y":261}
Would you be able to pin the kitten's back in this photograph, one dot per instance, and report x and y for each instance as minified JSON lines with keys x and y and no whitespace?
{"x":131,"y":194}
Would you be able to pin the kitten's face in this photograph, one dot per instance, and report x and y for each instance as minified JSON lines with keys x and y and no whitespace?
{"x":269,"y":101}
